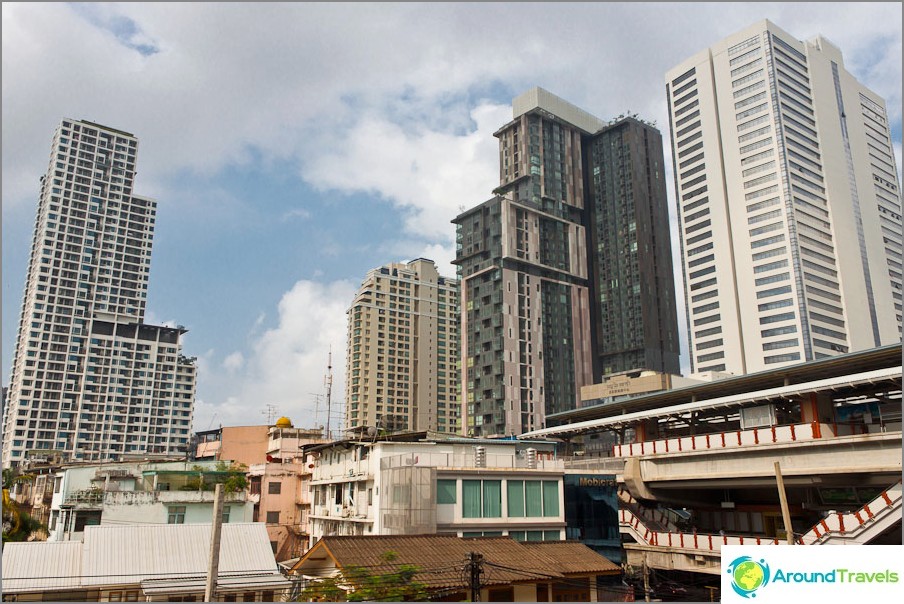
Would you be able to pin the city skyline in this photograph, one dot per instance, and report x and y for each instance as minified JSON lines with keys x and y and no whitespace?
{"x":267,"y":218}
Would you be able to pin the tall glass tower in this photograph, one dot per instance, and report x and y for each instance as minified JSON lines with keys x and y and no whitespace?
{"x":91,"y":380}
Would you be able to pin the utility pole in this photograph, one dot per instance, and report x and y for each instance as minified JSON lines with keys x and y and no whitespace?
{"x":475,"y":569}
{"x":786,"y":513}
{"x":646,"y":579}
{"x":213,"y":567}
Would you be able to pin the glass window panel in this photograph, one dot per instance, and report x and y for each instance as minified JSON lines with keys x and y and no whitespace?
{"x":535,"y":535}
{"x":552,"y":536}
{"x":550,"y":498}
{"x":533,"y":497}
{"x":445,"y":491}
{"x":470,"y":495}
{"x":515,"y":491}
{"x":492,"y":498}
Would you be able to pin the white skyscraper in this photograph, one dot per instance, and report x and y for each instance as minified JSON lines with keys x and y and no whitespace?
{"x":90,"y":380}
{"x":790,"y":211}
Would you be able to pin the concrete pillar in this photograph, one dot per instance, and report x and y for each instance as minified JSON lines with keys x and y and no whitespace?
{"x":817,"y":410}
{"x":593,"y":594}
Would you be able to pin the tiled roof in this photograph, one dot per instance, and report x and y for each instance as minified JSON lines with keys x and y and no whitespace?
{"x":442,"y":558}
{"x":572,"y":557}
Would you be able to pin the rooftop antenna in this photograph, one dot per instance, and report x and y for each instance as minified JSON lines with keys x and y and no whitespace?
{"x":317,"y":398}
{"x":270,"y":413}
{"x":328,"y":382}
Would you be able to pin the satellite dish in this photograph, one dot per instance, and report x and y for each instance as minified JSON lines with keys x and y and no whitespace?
{"x":371,"y":431}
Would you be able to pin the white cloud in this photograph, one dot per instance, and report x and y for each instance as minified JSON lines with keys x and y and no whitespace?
{"x":285,"y":365}
{"x":429,"y":174}
{"x":299,"y":213}
{"x":234,"y":361}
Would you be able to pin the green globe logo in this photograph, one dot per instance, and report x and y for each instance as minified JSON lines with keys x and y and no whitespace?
{"x":748,"y":575}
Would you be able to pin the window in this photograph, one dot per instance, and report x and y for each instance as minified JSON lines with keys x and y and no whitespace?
{"x":226,"y":514}
{"x":272,"y":517}
{"x":481,"y":498}
{"x":274,"y":488}
{"x":175,"y":514}
{"x":445,"y":491}
{"x":550,"y":498}
{"x":532,"y":498}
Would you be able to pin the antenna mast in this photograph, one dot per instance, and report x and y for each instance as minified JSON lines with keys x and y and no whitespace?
{"x":328,"y":382}
{"x":270,"y":413}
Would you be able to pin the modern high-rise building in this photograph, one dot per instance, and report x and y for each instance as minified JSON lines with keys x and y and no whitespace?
{"x":789,"y":203}
{"x":564,"y":250}
{"x":633,"y":311}
{"x":402,"y":370}
{"x":90,"y":379}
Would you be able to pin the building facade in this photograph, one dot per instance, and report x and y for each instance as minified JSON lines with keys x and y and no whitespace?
{"x":562,"y":270}
{"x":280,"y":488}
{"x":90,"y":379}
{"x":402,"y":369}
{"x":635,"y":320}
{"x":789,"y":203}
{"x":422,"y":485}
{"x":133,"y":493}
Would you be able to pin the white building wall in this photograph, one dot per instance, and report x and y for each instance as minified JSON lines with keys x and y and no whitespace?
{"x":769,"y":195}
{"x":343,"y":466}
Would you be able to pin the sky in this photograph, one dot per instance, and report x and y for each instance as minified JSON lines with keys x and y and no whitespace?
{"x":293,"y":147}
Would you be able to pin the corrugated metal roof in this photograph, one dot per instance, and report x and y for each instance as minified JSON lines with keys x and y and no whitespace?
{"x":187,"y":586}
{"x":40,"y":565}
{"x":129,"y":555}
{"x":145,"y":551}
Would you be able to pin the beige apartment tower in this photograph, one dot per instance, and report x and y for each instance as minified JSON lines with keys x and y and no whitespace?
{"x":789,"y":204}
{"x":402,"y":369}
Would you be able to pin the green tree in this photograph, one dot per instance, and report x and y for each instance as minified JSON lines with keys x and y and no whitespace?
{"x":358,"y":584}
{"x":18,"y":525}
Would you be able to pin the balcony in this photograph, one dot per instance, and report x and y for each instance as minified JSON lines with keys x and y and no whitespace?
{"x":169,"y":497}
{"x":339,"y":471}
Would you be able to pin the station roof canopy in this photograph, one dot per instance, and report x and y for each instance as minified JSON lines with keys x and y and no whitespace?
{"x":840,"y":372}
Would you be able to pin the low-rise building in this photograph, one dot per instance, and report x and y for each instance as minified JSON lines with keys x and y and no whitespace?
{"x":424,"y":484}
{"x":241,"y":444}
{"x":177,"y":492}
{"x":151,"y":562}
{"x":506,"y":570}
{"x":280,"y":487}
